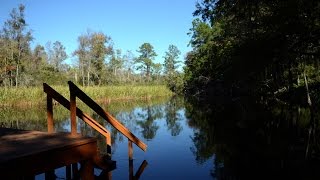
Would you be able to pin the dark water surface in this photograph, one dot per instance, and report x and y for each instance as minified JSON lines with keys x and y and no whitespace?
{"x":237,"y":140}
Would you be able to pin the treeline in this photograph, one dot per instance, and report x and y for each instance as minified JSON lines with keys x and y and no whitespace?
{"x":96,"y":60}
{"x":254,"y":47}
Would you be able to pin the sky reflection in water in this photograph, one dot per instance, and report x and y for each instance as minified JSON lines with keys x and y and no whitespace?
{"x":164,"y":128}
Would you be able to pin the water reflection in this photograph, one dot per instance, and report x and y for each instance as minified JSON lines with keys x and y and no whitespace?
{"x":139,"y":172}
{"x":239,"y":139}
{"x":146,"y":120}
{"x":30,"y":118}
{"x":253,"y":140}
{"x":172,"y":115}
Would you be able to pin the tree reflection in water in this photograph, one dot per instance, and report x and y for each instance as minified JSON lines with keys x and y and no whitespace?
{"x":250,"y":140}
{"x":169,"y":111}
{"x":172,"y":115}
{"x":147,"y":122}
{"x":244,"y":139}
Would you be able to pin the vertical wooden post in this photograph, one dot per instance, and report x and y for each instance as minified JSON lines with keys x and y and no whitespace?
{"x":110,"y":175}
{"x":130,"y":150}
{"x":73,"y":111}
{"x":141,"y":169}
{"x":50,"y":114}
{"x":108,"y":139}
{"x":87,"y":170}
{"x":75,"y":171}
{"x":131,"y":170}
{"x":31,"y":177}
{"x":50,"y":175}
{"x":68,"y":172}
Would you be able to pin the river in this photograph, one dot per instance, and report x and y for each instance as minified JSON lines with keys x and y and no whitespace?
{"x":241,"y":139}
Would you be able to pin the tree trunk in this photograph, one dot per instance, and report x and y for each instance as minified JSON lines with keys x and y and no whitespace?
{"x":18,"y":62}
{"x":307,"y":89}
{"x":82,"y":74}
{"x":5,"y":71}
{"x":88,"y":78}
{"x":128,"y":76}
{"x":11,"y":83}
{"x":17,"y":74}
{"x":75,"y":77}
{"x":148,"y":73}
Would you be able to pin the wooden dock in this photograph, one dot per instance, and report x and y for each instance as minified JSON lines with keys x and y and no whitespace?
{"x":27,"y":153}
{"x":24,"y":154}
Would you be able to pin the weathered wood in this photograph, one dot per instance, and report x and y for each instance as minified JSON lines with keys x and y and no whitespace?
{"x":75,"y":171}
{"x":143,"y":165}
{"x":25,"y":153}
{"x":104,"y":163}
{"x":50,"y":175}
{"x":131,"y":176}
{"x":130,"y":150}
{"x":85,"y":117}
{"x":107,"y":175}
{"x":108,"y":137}
{"x":107,"y":116}
{"x":87,"y":170}
{"x":140,"y":170}
{"x":73,"y":116}
{"x":50,"y":114}
{"x":74,"y":111}
{"x":68,"y":172}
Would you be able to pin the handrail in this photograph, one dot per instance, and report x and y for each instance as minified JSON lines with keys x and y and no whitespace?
{"x":74,"y":90}
{"x":52,"y":94}
{"x":140,"y":170}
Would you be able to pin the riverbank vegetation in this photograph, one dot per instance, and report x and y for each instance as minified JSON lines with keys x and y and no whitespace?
{"x":95,"y":65}
{"x":35,"y":95}
{"x":239,"y":48}
{"x":257,"y":63}
{"x":264,"y":48}
{"x":20,"y":117}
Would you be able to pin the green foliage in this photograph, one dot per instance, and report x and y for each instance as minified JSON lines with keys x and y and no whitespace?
{"x":95,"y":63}
{"x":199,"y":63}
{"x":145,"y":60}
{"x":171,"y":59}
{"x":98,"y":52}
{"x":15,"y":48}
{"x":92,"y":50}
{"x":253,"y":46}
{"x":35,"y":95}
{"x":156,"y":71}
{"x":56,"y":55}
{"x":260,"y":131}
{"x":171,"y":64}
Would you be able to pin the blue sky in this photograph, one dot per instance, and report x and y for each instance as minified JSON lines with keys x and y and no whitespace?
{"x":129,"y":22}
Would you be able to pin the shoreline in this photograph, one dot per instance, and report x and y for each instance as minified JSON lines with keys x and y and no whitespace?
{"x":26,"y":97}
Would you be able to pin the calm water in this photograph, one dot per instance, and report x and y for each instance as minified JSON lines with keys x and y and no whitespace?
{"x":236,"y":140}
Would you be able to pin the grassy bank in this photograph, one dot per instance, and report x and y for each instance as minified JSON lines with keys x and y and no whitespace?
{"x":34,"y":95}
{"x":34,"y":117}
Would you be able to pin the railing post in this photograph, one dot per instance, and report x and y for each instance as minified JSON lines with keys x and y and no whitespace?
{"x":107,"y":116}
{"x":130,"y":150}
{"x":87,"y":170}
{"x":73,"y":112}
{"x":108,"y":139}
{"x":141,"y":169}
{"x":50,"y":174}
{"x":68,"y":172}
{"x":131,"y":176}
{"x":50,"y":114}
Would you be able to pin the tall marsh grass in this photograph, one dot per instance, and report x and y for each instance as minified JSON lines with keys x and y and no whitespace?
{"x":34,"y":95}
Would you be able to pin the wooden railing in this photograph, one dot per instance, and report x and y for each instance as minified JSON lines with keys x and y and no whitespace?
{"x":76,"y":92}
{"x":52,"y":94}
{"x":140,"y":170}
{"x":74,"y":111}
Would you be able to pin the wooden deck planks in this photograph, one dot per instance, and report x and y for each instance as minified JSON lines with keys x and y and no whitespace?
{"x":24,"y":153}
